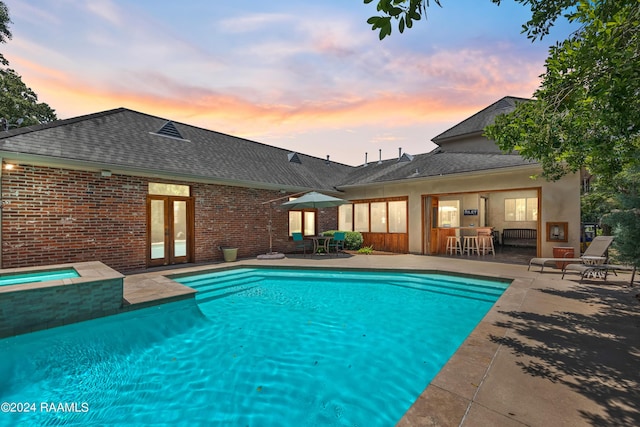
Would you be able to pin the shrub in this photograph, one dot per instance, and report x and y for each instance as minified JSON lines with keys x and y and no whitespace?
{"x":367,"y":250}
{"x":352,"y":239}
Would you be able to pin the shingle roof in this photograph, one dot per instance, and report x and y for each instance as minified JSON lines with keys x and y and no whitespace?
{"x":480,"y":120}
{"x":129,"y":140}
{"x":435,"y":163}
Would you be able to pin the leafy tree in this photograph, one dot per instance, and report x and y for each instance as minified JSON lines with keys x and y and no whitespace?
{"x":404,"y":11}
{"x":626,"y":220}
{"x":5,"y":34}
{"x":19,"y":104}
{"x":543,"y":14}
{"x":586,"y":113}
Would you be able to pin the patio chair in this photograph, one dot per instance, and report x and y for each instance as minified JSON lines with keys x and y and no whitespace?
{"x":298,"y":238}
{"x":597,"y":250}
{"x":337,"y":243}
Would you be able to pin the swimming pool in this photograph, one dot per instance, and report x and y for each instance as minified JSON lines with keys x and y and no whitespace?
{"x":260,"y":347}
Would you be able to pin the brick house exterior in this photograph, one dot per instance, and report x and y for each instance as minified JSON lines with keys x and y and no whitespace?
{"x":72,"y":212}
{"x":80,"y":190}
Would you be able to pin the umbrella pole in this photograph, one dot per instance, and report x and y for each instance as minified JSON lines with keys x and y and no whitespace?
{"x":270,"y":224}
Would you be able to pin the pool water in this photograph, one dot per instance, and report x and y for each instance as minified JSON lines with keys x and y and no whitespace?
{"x":37,"y":276}
{"x":263,"y":347}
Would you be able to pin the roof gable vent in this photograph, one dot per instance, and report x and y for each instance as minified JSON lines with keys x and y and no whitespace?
{"x":169,"y":129}
{"x":293,"y":158}
{"x":406,"y":157}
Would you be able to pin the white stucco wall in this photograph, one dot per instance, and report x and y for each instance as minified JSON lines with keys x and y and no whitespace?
{"x":560,"y":200}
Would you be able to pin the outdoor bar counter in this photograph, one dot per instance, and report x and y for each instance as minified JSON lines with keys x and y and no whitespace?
{"x":444,"y":232}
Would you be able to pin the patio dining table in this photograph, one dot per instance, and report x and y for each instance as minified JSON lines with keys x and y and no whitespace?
{"x":320,"y":242}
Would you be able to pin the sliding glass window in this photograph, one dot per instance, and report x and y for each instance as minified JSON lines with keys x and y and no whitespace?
{"x":398,"y":217}
{"x":361,"y":220}
{"x":374,"y":217}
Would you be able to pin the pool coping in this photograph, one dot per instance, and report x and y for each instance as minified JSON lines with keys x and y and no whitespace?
{"x":87,"y":271}
{"x":489,"y":379}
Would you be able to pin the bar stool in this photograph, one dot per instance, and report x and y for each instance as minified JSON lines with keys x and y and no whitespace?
{"x":485,"y":245}
{"x":470,"y":245}
{"x":485,"y":242}
{"x":454,"y":245}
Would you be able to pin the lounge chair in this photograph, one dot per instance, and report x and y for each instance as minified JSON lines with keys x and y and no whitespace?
{"x":597,"y":249}
{"x":599,"y":270}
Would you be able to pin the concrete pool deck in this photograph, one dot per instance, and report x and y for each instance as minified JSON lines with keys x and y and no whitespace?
{"x":550,"y":352}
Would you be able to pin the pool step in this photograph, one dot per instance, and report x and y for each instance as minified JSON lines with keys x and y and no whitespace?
{"x":212,"y":287}
{"x":219,"y":284}
{"x":448,"y":289}
{"x":216,"y":277}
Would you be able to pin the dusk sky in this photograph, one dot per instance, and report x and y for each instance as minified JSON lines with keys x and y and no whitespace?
{"x":307,"y":76}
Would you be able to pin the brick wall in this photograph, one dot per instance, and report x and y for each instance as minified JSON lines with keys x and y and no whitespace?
{"x":56,"y":216}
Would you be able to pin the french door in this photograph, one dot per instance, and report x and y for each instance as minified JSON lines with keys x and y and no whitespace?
{"x":169,"y":230}
{"x":430,"y":218}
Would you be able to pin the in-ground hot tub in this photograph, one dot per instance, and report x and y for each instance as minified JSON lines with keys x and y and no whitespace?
{"x":35,"y":298}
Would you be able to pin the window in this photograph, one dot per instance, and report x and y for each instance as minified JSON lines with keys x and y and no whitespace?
{"x":309,"y":223}
{"x":302,"y":222}
{"x":379,"y":217}
{"x":398,"y":217}
{"x":345,"y":217}
{"x":375,"y":217}
{"x":521,"y":209}
{"x":361,"y":217}
{"x":449,"y":213}
{"x":161,"y":189}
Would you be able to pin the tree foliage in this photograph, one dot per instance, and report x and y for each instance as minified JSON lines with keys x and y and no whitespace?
{"x":625,"y":220}
{"x":586,"y":112}
{"x":405,"y":12}
{"x":5,"y":33}
{"x":19,"y":104}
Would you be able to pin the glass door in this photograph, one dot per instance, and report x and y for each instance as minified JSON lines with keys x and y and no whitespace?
{"x":430,"y":218}
{"x":170,"y":236}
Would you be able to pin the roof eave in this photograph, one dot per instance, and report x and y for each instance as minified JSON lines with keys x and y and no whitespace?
{"x":481,"y":172}
{"x":46,"y":161}
{"x":456,"y":137}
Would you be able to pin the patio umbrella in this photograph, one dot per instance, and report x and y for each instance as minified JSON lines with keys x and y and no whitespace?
{"x":314,"y":200}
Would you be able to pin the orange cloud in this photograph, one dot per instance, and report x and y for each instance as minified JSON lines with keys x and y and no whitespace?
{"x":240,"y":116}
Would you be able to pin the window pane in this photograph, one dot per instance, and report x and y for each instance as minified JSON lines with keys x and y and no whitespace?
{"x":157,"y":229}
{"x":168,"y":189}
{"x":532,"y":209}
{"x":309,"y":223}
{"x":509,"y":209}
{"x":449,"y":213}
{"x":295,"y":222}
{"x":361,"y":217}
{"x":521,"y":209}
{"x":179,"y":228}
{"x":398,"y":217}
{"x":345,"y":217}
{"x":379,"y":217}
